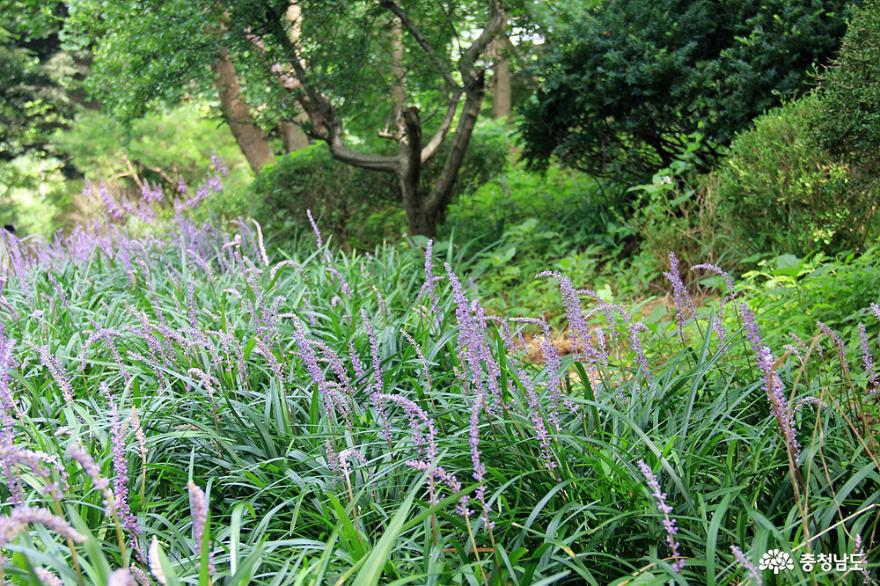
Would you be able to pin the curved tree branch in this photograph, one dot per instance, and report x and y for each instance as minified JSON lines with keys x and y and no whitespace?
{"x":320,"y":109}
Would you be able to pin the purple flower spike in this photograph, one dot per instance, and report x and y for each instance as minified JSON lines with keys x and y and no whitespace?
{"x":680,"y":296}
{"x":120,"y":467}
{"x":376,"y":392}
{"x":753,"y":573}
{"x":668,"y":522}
{"x":636,"y":344}
{"x":867,"y":359}
{"x":728,"y":283}
{"x":198,"y":505}
{"x":772,"y":382}
{"x":16,"y":522}
{"x":583,"y":342}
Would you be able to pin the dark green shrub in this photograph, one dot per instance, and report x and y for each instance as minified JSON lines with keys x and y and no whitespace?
{"x":623,"y":89}
{"x":847,"y":121}
{"x":779,"y":191}
{"x":359,"y":207}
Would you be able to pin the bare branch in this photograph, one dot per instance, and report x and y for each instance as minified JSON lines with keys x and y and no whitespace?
{"x":442,"y":192}
{"x":434,"y":143}
{"x":497,"y":22}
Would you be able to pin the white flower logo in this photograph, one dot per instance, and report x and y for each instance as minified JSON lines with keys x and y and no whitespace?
{"x":777,"y":561}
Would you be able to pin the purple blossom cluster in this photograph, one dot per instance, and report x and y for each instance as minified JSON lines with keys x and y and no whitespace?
{"x":868,"y":360}
{"x":684,"y":306}
{"x":669,"y":524}
{"x":118,"y":434}
{"x":583,"y":340}
{"x":772,"y":382}
{"x":752,"y":572}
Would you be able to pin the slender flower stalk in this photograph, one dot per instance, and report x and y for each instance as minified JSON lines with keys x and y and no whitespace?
{"x":356,"y":363}
{"x":684,"y":306}
{"x":479,"y":474}
{"x":430,"y":280}
{"x":583,"y":340}
{"x":868,"y":360}
{"x":121,"y":577}
{"x":752,"y":572}
{"x":772,"y":382}
{"x":839,"y":345}
{"x":191,"y":304}
{"x":378,"y":384}
{"x":420,"y":355}
{"x":118,"y":434}
{"x":155,"y":563}
{"x":669,"y":523}
{"x":198,"y":504}
{"x":80,"y":456}
{"x":47,"y":578}
{"x":53,"y":365}
{"x":718,"y":325}
{"x":474,"y":351}
{"x":7,"y":408}
{"x":636,"y":343}
{"x":334,"y":401}
{"x":17,"y":521}
{"x":327,"y":257}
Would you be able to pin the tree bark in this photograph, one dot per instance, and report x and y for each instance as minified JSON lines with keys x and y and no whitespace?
{"x":248,"y":135}
{"x":293,"y":136}
{"x":501,"y":80}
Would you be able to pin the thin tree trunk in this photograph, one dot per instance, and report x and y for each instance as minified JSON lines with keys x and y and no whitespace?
{"x":398,"y":73}
{"x":501,"y":80}
{"x":293,"y":136}
{"x":250,"y":137}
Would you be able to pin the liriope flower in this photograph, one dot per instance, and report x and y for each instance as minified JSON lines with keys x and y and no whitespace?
{"x":868,"y":359}
{"x":728,"y":283}
{"x":684,"y":306}
{"x":121,"y":577}
{"x":53,"y":365}
{"x":772,"y":382}
{"x":376,"y":390}
{"x":669,"y":524}
{"x":198,"y":504}
{"x":118,"y":431}
{"x":155,"y":563}
{"x":753,"y":574}
{"x":17,"y":521}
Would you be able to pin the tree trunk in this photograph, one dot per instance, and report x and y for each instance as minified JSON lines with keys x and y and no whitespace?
{"x":501,"y":81}
{"x":250,"y":137}
{"x":398,"y":73}
{"x":293,"y":136}
{"x":422,"y":220}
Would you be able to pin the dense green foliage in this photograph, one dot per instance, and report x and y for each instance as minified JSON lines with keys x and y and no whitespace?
{"x":786,"y":193}
{"x":247,"y":420}
{"x":848,"y":121}
{"x":623,"y":90}
{"x":40,"y":77}
{"x":359,"y":207}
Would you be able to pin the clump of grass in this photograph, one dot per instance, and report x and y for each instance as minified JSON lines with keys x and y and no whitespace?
{"x":356,"y":419}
